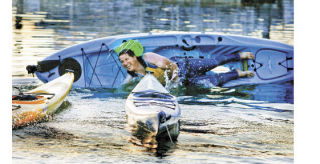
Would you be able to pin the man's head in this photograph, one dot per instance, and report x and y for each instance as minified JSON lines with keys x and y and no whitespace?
{"x":128,"y":60}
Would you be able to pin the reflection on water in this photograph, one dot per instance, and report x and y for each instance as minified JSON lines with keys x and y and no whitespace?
{"x":247,"y":124}
{"x":159,"y":146}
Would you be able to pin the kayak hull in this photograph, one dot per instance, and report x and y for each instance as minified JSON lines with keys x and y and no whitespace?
{"x":50,"y":97}
{"x":96,"y":63}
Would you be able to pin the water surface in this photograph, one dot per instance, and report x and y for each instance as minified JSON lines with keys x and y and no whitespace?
{"x":246,"y":124}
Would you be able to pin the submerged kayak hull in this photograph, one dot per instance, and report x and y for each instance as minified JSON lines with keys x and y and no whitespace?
{"x":49,"y":98}
{"x":152,"y":113}
{"x":96,"y":63}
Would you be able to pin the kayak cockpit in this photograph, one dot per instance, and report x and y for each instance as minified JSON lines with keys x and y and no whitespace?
{"x":38,"y":98}
{"x":25,"y":97}
{"x":28,"y":99}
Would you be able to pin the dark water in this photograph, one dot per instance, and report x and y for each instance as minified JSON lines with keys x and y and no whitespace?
{"x":246,"y":124}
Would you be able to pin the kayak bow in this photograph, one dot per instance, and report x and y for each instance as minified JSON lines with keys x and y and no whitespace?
{"x":34,"y":105}
{"x":151,"y":109}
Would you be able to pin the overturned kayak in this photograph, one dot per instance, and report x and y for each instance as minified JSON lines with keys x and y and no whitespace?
{"x":152,"y":111}
{"x":34,"y":105}
{"x":96,"y":64}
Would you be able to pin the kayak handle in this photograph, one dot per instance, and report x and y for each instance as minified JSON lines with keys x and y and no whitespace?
{"x":188,"y":48}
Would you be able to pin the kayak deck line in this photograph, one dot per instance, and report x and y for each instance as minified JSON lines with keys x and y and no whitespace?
{"x":94,"y":73}
{"x":109,"y":52}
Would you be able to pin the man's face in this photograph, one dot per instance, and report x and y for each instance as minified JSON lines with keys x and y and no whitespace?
{"x":128,"y":62}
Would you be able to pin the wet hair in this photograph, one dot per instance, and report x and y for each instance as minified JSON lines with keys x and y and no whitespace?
{"x":131,"y":54}
{"x":127,"y":51}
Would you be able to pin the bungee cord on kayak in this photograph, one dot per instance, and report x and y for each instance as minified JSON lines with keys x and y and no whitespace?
{"x":93,"y":73}
{"x":109,"y":52}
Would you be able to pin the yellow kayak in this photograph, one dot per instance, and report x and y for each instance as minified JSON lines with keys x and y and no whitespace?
{"x":34,"y":105}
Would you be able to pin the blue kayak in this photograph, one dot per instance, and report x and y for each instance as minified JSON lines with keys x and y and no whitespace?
{"x":95,"y":63}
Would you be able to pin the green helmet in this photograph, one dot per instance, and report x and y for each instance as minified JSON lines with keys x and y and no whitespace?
{"x":132,"y":45}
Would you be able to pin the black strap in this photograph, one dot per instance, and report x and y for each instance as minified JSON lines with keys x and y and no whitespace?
{"x":281,"y":63}
{"x":260,"y":65}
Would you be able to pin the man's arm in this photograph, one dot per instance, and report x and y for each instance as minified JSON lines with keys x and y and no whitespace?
{"x":164,"y":63}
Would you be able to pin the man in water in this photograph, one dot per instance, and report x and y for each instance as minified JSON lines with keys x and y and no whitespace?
{"x":188,"y":71}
